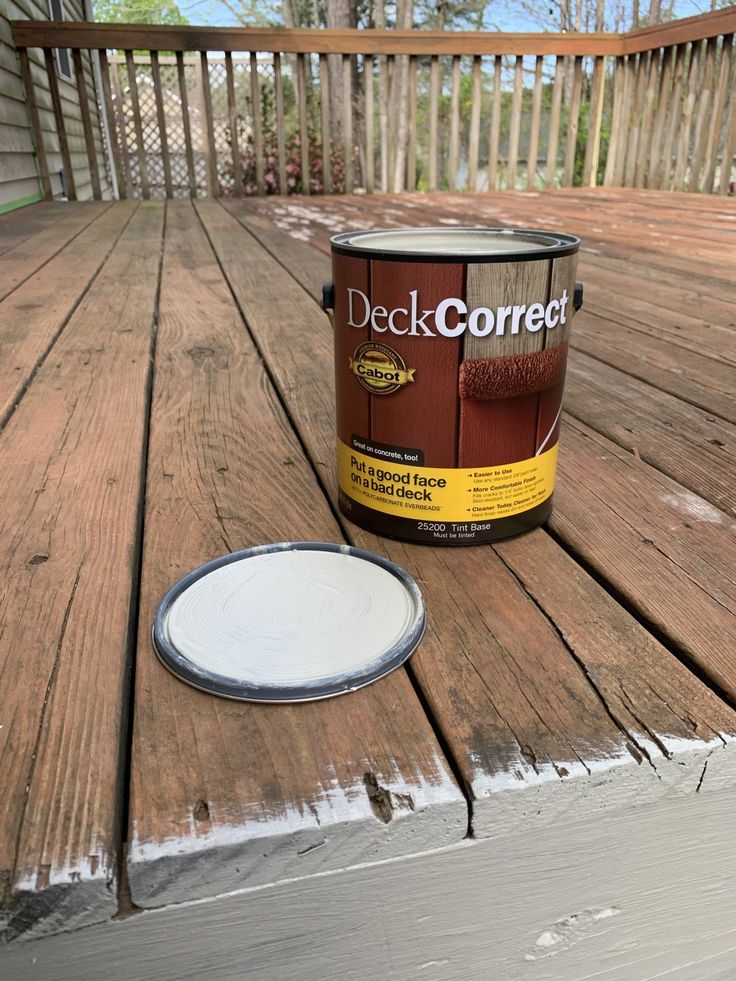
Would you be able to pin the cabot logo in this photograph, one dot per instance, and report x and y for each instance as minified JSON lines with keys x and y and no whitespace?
{"x":379,"y":368}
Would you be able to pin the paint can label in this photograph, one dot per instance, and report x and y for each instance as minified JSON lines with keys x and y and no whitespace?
{"x":449,"y":385}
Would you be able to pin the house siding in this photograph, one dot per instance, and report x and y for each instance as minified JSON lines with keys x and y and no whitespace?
{"x":18,"y":169}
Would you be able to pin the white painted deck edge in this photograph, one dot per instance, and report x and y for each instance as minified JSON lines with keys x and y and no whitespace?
{"x":638,"y":894}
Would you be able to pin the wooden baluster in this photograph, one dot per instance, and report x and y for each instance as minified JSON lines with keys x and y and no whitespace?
{"x":454,"y":155}
{"x":595,"y":123}
{"x":627,"y":103}
{"x":204,"y":81}
{"x":66,"y":160}
{"x":632,"y":151}
{"x":683,"y":147}
{"x":232,"y":112}
{"x":184,"y":98}
{"x":716,"y":119}
{"x":494,"y":139}
{"x":301,"y":85}
{"x":324,"y":105}
{"x":573,"y":120}
{"x":347,"y":127}
{"x":36,"y":132}
{"x":370,"y":160}
{"x":138,"y":124}
{"x":411,"y":154}
{"x":554,"y":121}
{"x":515,"y":129}
{"x":654,"y":174}
{"x":125,"y":186}
{"x":280,"y":131}
{"x":89,"y":140}
{"x":619,"y":69}
{"x":474,"y":146}
{"x":531,"y":167}
{"x":728,"y":149}
{"x":645,"y":129}
{"x":434,"y":105}
{"x":161,"y":119}
{"x":705,"y":95}
{"x":255,"y":103}
{"x":673,"y":116}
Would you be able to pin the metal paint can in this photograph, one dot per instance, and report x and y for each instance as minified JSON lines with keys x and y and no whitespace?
{"x":450,"y":356}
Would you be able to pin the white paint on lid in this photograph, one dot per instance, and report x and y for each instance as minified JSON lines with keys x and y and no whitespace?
{"x":291,"y":617}
{"x":451,"y":241}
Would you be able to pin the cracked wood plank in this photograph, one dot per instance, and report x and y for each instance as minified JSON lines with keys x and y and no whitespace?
{"x":227,"y":794}
{"x":71,"y":460}
{"x":690,"y":445}
{"x":669,"y":553}
{"x":514,"y":703}
{"x":21,"y":261}
{"x":34,"y":314}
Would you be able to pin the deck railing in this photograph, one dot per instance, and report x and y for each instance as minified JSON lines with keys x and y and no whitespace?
{"x":342,"y":110}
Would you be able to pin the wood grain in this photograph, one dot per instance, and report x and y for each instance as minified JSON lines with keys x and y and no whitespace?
{"x":19,"y":225}
{"x":21,"y":261}
{"x":32,"y":316}
{"x":227,"y":794}
{"x":668,"y":552}
{"x":71,"y":497}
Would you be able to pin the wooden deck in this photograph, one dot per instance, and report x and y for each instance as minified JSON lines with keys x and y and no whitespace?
{"x":554,"y":773}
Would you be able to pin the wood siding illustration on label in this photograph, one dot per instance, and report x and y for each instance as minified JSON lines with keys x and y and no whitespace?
{"x":422,"y":414}
{"x":550,"y":399}
{"x":353,"y":401}
{"x":502,"y":430}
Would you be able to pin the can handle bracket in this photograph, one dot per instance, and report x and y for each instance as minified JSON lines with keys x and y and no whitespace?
{"x":328,"y":297}
{"x":577,"y":299}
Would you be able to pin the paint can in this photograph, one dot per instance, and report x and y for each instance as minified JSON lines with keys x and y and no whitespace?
{"x":450,"y":356}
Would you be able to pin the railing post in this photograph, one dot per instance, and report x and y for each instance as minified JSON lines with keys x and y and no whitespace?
{"x":125,"y":182}
{"x":716,"y":119}
{"x":89,"y":143}
{"x":66,"y":160}
{"x":161,"y":120}
{"x":531,"y":164}
{"x":280,"y":130}
{"x":138,"y":124}
{"x":573,"y":120}
{"x":370,"y":162}
{"x":554,"y":123}
{"x":36,"y":132}
{"x":301,"y":87}
{"x":232,"y":112}
{"x":324,"y":104}
{"x":595,"y":124}
{"x":203,"y":79}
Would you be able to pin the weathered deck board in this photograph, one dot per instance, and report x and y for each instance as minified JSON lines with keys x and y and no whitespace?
{"x":23,"y":259}
{"x":509,"y":726}
{"x":32,"y":316}
{"x":668,"y":552}
{"x":17,"y":226}
{"x":70,"y":497}
{"x":228,"y":794}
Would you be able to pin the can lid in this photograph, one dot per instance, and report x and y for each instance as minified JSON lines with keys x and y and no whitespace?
{"x":456,"y":244}
{"x":289,"y":622}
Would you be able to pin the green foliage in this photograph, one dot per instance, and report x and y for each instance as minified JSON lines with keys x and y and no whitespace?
{"x":138,"y":12}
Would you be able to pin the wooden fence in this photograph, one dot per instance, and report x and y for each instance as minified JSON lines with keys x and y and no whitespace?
{"x":419,"y":109}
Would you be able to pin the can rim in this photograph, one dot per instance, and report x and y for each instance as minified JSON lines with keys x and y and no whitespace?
{"x":240,"y":690}
{"x":560,"y":244}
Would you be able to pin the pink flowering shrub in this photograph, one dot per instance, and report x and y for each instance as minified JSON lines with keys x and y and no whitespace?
{"x":294,"y":175}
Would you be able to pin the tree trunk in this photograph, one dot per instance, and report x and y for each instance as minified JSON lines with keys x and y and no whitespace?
{"x":339,"y":13}
{"x":635,"y":14}
{"x":655,"y":11}
{"x":600,"y":15}
{"x":404,"y":14}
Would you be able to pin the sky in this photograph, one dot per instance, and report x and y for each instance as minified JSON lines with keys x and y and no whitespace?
{"x":504,"y":15}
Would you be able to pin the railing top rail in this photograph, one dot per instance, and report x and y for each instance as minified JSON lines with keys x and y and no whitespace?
{"x":82,"y":34}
